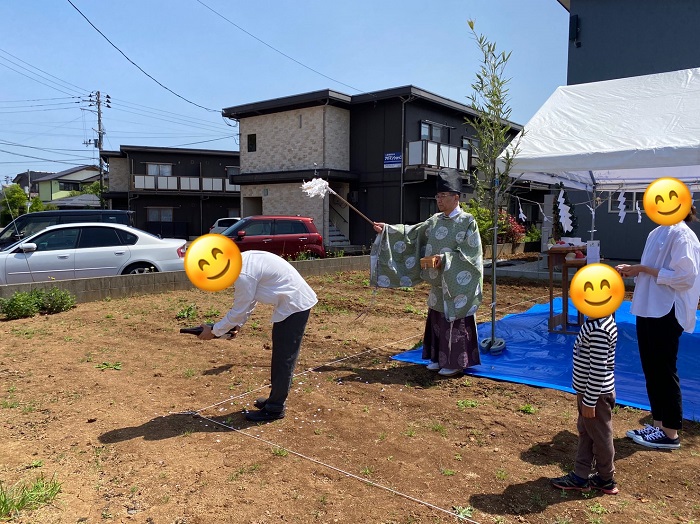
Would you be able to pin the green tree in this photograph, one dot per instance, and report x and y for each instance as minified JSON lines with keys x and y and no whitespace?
{"x":14,"y":203}
{"x":493,"y":132}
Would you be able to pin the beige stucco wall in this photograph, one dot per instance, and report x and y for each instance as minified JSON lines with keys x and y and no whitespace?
{"x":293,"y":140}
{"x":286,"y":199}
{"x":119,"y":174}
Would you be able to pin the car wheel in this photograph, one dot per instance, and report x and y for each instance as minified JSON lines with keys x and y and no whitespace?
{"x":137,"y":269}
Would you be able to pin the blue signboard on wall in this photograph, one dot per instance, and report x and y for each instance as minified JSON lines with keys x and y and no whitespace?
{"x":392,"y":160}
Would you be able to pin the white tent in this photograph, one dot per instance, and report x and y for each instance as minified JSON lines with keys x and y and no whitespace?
{"x":615,"y":134}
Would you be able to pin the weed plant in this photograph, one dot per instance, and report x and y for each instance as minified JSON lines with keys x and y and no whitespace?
{"x":26,"y":304}
{"x":21,"y":496}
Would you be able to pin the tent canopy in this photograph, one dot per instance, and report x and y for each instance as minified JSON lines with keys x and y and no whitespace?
{"x":615,"y":134}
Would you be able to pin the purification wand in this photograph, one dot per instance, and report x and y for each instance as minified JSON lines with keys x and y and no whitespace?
{"x":319,"y":187}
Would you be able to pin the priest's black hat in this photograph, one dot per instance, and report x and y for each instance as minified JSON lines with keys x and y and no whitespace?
{"x":449,"y":180}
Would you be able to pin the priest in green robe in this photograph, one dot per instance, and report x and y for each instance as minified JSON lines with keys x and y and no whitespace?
{"x":444,"y":251}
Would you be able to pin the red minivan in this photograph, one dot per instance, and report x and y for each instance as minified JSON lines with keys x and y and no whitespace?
{"x":284,"y":235}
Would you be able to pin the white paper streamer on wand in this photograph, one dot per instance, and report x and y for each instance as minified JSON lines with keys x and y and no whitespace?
{"x":319,"y":187}
{"x":546,"y":218}
{"x":639,"y":212}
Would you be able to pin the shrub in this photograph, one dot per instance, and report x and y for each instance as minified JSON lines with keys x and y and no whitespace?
{"x":534,"y":234}
{"x":514,"y":232}
{"x":23,"y":304}
{"x":56,"y":300}
{"x":20,"y":305}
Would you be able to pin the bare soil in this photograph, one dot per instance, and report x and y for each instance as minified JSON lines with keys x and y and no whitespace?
{"x":162,"y":439}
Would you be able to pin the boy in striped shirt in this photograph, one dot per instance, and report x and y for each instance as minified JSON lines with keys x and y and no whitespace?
{"x":594,"y":383}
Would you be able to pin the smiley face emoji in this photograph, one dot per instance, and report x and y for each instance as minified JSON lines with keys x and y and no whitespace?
{"x":597,"y":290}
{"x":213,"y":262}
{"x":667,"y":201}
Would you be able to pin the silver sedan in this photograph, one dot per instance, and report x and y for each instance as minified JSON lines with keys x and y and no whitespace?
{"x":85,"y":250}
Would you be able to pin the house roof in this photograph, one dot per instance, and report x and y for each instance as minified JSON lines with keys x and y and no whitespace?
{"x":61,"y":174}
{"x":77,"y":201}
{"x":327,"y":96}
{"x":123,"y":150}
{"x":566,"y":4}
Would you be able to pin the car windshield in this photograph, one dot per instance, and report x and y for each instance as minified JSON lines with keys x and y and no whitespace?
{"x":232,"y":230}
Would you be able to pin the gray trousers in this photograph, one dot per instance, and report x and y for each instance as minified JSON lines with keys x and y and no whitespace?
{"x":286,"y":343}
{"x":595,"y":439}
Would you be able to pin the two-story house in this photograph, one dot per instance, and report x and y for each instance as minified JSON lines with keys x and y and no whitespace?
{"x":54,"y":188}
{"x":174,"y":192}
{"x":379,"y":151}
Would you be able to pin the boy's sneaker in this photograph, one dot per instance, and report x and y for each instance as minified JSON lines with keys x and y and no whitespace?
{"x":658,"y":440}
{"x":571,"y":481}
{"x":609,"y":487}
{"x":646,"y":430}
{"x":433,"y":366}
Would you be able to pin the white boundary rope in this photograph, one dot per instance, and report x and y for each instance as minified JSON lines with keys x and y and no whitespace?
{"x":346,"y":473}
{"x":197,"y":413}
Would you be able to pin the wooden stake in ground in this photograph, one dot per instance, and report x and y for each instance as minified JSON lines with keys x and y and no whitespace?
{"x":319,"y":187}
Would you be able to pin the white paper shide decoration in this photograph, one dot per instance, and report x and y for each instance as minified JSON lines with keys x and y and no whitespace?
{"x":621,"y":206}
{"x":564,"y":213}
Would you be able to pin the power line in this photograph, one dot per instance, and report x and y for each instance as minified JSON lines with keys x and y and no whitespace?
{"x":136,"y":65}
{"x":34,"y":79}
{"x":37,"y":99}
{"x":277,"y":50}
{"x":80,"y":89}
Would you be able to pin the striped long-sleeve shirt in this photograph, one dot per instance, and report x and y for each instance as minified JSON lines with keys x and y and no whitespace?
{"x":594,"y":359}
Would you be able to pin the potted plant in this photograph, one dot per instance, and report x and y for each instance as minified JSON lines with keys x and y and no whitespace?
{"x":533,"y":240}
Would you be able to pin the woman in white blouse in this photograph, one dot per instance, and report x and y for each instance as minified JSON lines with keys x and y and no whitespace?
{"x":665,"y":302}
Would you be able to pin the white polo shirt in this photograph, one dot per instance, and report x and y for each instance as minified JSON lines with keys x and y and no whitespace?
{"x":675,"y":251}
{"x":270,"y":279}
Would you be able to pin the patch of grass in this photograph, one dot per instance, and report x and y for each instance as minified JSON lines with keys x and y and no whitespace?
{"x":280,"y":452}
{"x":189,"y":372}
{"x":21,"y":496}
{"x":597,"y":509}
{"x":366,"y":471}
{"x":109,"y":365}
{"x":410,"y":432}
{"x":188,"y":312}
{"x":528,"y":409}
{"x":35,"y":464}
{"x":448,"y":472}
{"x":464,"y":512}
{"x":467,"y":403}
{"x":439,"y":428}
{"x":501,"y":474}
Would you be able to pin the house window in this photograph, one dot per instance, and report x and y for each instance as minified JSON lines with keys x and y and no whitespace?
{"x":252,"y":143}
{"x":159,"y":169}
{"x":160,"y":214}
{"x":68,"y":186}
{"x":232,"y":171}
{"x":630,"y":199}
{"x":433,"y":131}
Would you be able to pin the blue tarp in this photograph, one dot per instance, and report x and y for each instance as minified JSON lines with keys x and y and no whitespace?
{"x":537,"y":357}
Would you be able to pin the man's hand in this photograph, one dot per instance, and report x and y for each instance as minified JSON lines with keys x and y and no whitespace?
{"x":587,"y":412}
{"x":378,"y":226}
{"x":206,"y":333}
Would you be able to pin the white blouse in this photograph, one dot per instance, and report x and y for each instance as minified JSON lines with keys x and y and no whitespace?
{"x":675,"y":251}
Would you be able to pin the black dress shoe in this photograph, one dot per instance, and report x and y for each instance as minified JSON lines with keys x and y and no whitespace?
{"x":260,"y":402}
{"x":264,"y":415}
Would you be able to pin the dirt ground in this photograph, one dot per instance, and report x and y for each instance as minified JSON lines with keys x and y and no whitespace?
{"x":102,"y":398}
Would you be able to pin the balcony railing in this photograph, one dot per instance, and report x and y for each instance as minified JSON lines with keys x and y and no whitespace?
{"x":182,"y":183}
{"x":435,"y":154}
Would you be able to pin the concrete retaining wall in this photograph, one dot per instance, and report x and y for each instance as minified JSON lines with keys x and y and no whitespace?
{"x":92,"y":289}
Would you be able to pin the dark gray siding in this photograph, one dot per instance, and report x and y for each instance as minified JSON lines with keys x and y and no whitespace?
{"x":623,"y":38}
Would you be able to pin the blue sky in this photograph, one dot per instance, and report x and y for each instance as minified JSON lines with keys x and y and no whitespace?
{"x":51,"y":59}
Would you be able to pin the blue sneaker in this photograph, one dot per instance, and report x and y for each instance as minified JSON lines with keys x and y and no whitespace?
{"x":571,"y":482}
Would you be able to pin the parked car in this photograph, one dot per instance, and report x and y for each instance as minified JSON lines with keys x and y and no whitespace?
{"x":88,"y":249}
{"x":222,"y":224}
{"x":30,"y":223}
{"x":284,"y":235}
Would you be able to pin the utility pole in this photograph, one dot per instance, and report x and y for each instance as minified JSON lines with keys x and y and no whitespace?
{"x":100,"y":134}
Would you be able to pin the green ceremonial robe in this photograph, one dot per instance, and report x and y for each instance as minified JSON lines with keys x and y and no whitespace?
{"x":456,"y":287}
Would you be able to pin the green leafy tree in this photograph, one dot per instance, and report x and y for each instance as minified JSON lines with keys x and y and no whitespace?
{"x":493,"y":133}
{"x":14,"y":203}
